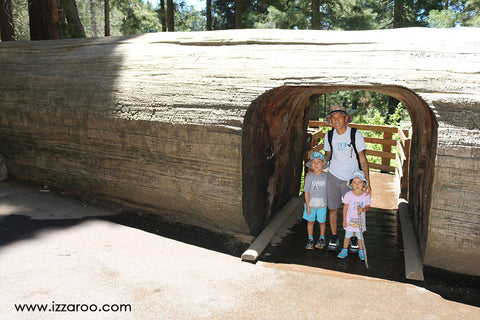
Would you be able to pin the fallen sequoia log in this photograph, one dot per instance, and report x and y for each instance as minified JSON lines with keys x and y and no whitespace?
{"x":209,"y":128}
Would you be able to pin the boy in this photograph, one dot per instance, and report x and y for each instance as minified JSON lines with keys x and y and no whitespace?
{"x":343,"y":163}
{"x":315,"y":199}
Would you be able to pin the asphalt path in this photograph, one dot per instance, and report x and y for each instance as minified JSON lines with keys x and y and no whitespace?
{"x":80,"y":261}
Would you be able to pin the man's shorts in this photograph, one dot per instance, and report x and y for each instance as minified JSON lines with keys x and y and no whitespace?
{"x":336,"y":189}
{"x":319,"y":214}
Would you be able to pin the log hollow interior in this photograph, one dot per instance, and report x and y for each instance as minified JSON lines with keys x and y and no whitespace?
{"x":274,"y":138}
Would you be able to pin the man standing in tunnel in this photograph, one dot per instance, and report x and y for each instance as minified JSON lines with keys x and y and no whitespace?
{"x":345,"y":149}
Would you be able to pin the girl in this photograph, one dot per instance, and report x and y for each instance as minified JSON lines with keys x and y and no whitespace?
{"x":355,"y":201}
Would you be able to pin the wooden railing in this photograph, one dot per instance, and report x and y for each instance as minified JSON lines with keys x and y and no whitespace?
{"x":402,"y":155}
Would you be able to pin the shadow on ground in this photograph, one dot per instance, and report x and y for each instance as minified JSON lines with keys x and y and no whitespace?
{"x":192,"y":235}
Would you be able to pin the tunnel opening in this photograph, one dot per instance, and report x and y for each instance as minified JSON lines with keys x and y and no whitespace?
{"x":274,"y":141}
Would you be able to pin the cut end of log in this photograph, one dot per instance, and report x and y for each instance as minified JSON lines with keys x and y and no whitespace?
{"x":250,"y":255}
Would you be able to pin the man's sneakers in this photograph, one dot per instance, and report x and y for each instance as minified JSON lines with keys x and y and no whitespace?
{"x":343,"y":253}
{"x":309,"y":245}
{"x":320,"y":243}
{"x":354,"y":247}
{"x":333,"y":244}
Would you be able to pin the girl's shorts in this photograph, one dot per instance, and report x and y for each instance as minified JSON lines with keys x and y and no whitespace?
{"x":349,"y":234}
{"x":319,"y":214}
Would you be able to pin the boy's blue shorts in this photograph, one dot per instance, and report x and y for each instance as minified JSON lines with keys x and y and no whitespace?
{"x":319,"y":214}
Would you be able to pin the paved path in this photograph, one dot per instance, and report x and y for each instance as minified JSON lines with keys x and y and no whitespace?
{"x":70,"y":259}
{"x":383,"y":238}
{"x":385,"y":191}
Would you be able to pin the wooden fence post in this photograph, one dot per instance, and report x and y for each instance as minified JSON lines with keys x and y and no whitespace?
{"x":386,"y":148}
{"x":405,"y":167}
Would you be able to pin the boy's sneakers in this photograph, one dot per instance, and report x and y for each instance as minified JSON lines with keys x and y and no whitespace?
{"x":333,"y":244}
{"x":309,"y":245}
{"x":320,"y":243}
{"x":343,"y":253}
{"x":354,"y":245}
{"x":361,"y":254}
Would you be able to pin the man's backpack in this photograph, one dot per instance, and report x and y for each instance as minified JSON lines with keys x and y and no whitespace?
{"x":353,"y":132}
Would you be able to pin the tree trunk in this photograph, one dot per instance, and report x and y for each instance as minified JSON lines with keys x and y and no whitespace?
{"x":315,"y":14}
{"x":6,"y":21}
{"x":71,"y":13}
{"x":398,"y":14}
{"x":93,"y":19}
{"x":107,"y":18}
{"x":170,"y":14}
{"x":208,"y":13}
{"x":238,"y":14}
{"x":92,"y":134}
{"x":43,"y":18}
{"x":163,"y":15}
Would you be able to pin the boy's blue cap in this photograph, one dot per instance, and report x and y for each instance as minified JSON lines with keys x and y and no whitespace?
{"x":315,"y":155}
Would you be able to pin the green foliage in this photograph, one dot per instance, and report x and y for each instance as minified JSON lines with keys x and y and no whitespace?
{"x":297,"y":14}
{"x":137,"y":17}
{"x":189,"y":19}
{"x":350,"y":15}
{"x":457,"y":13}
{"x":223,"y":15}
{"x":399,"y":116}
{"x":287,"y":15}
{"x":91,"y":14}
{"x":442,"y":19}
{"x":362,"y":104}
{"x":367,"y":107}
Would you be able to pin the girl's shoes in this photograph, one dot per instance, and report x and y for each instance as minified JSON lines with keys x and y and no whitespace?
{"x":361,"y":254}
{"x":343,"y":254}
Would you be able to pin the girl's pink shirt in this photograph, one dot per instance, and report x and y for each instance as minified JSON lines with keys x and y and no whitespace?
{"x":352,"y":212}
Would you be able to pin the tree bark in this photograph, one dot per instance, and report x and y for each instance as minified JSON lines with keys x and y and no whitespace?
{"x":315,"y":14}
{"x":170,"y":15}
{"x":398,"y":14}
{"x":107,"y":18}
{"x":238,"y":14}
{"x":208,"y":13}
{"x":162,"y":15}
{"x":43,"y":18}
{"x":6,"y":21}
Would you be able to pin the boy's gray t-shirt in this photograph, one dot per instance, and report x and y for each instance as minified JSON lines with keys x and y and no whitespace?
{"x":316,"y":186}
